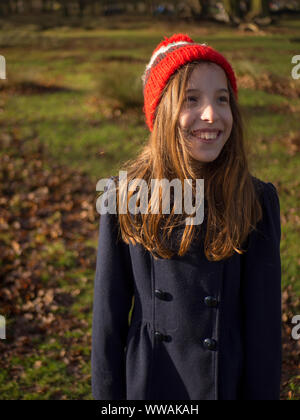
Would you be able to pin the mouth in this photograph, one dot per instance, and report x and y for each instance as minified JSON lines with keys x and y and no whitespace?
{"x":206,"y":136}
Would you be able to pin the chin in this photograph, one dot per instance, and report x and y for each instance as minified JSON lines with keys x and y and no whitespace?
{"x":205,"y":159}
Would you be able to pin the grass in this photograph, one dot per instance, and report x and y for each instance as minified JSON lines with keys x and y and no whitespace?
{"x":95,"y":122}
{"x":43,"y":376}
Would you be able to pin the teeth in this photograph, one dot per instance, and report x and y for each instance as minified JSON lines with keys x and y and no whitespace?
{"x":207,"y":135}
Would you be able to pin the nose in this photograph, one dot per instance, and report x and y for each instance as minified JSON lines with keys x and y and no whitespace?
{"x":208,"y":113}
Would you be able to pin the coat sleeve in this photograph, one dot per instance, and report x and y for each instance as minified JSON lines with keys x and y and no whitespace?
{"x":261,"y":304}
{"x":113,"y":291}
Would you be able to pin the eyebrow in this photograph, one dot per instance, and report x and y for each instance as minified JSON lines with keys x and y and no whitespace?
{"x":198,"y":90}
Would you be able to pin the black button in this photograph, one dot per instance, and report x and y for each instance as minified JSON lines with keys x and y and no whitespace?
{"x":159,"y":336}
{"x":211,"y":301}
{"x":210,"y":344}
{"x":160,"y":294}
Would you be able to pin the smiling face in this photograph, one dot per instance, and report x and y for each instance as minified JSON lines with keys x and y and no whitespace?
{"x":205,"y":118}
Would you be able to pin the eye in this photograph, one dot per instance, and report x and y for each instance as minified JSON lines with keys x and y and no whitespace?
{"x":223,"y":99}
{"x":191,"y":99}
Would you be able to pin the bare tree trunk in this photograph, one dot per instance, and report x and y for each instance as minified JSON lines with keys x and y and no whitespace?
{"x":29,"y":6}
{"x":9,"y":7}
{"x":261,"y":7}
{"x":44,"y":6}
{"x":256,"y":7}
{"x":205,"y":5}
{"x":151,"y":4}
{"x":135,"y":6}
{"x":93,"y":8}
{"x":265,"y":8}
{"x":232,"y":7}
{"x":81,"y":7}
{"x":17,"y":6}
{"x":65,"y":9}
{"x":2,"y":8}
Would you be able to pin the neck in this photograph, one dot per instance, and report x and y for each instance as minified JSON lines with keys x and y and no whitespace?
{"x":200,"y":168}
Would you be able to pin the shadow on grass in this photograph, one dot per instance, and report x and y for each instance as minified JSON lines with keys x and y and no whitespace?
{"x":33,"y":88}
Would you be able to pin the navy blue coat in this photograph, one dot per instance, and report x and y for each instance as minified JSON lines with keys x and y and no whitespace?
{"x":200,"y":330}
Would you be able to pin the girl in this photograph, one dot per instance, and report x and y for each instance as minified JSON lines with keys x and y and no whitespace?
{"x":206,"y":319}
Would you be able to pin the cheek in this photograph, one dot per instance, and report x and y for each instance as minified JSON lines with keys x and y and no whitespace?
{"x":181,"y":121}
{"x":228,"y":119}
{"x":184,"y":119}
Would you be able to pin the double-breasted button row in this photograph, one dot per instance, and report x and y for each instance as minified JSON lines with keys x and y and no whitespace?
{"x":210,"y":344}
{"x":157,"y":334}
{"x":211,"y":301}
{"x":160,"y":294}
{"x":160,"y":336}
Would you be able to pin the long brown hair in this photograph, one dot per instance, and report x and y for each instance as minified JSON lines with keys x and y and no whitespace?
{"x":232,"y":207}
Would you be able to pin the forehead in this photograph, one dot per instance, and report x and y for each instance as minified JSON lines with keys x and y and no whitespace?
{"x":207,"y":75}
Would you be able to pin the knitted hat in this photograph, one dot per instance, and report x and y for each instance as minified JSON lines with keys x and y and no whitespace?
{"x":167,"y":57}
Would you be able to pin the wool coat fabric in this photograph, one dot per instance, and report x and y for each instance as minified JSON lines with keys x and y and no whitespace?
{"x":200,"y":330}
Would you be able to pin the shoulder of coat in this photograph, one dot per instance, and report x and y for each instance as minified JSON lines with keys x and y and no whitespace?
{"x":259,"y":185}
{"x":266,"y":191}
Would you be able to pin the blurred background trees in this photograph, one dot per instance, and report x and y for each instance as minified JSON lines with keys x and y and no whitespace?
{"x":226,"y":10}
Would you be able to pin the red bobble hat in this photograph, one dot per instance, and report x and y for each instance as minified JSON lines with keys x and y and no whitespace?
{"x":167,"y":57}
